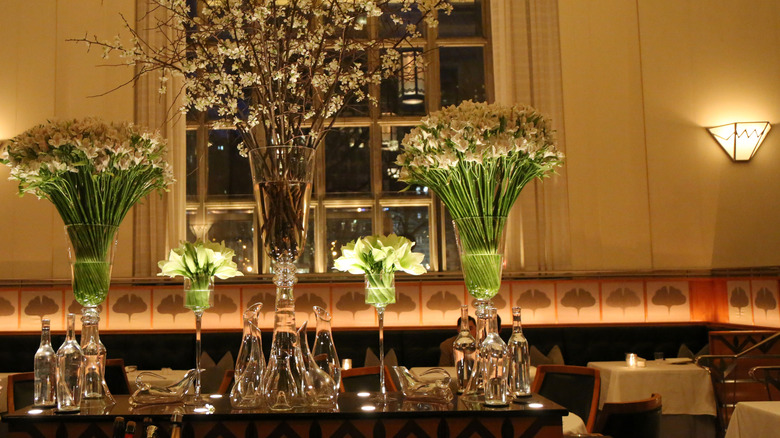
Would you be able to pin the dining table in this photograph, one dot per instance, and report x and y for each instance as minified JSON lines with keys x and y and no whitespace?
{"x":759,"y":419}
{"x":688,"y":401}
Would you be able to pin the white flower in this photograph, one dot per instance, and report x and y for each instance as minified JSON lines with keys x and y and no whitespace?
{"x":379,"y":253}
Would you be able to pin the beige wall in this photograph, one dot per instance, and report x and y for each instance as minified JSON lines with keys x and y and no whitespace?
{"x":648,"y":187}
{"x":44,"y":76}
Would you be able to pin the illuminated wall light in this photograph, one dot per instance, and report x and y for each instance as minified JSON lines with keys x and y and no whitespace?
{"x":740,"y":139}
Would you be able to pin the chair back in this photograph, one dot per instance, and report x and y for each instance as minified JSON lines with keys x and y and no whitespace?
{"x":637,"y":419}
{"x":770,"y":377}
{"x":573,"y":387}
{"x":365,"y":379}
{"x":20,"y":391}
{"x":228,"y":380}
{"x":116,"y":377}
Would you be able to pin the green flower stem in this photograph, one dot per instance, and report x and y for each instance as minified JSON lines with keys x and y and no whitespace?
{"x":197,"y":292}
{"x":380,"y":288}
{"x":481,"y":241}
{"x":91,"y":252}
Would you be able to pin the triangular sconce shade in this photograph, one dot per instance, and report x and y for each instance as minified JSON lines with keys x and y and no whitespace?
{"x":741,"y":139}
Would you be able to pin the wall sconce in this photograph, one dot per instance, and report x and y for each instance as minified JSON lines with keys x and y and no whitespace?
{"x":740,"y":139}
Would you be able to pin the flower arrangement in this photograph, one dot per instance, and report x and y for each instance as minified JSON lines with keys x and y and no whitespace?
{"x":379,"y":257}
{"x":92,"y":171}
{"x":199,"y":263}
{"x":477,"y":157}
{"x":280,"y":69}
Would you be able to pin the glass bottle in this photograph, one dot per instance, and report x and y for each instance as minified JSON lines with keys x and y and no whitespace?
{"x":519,"y":358}
{"x":475,"y":386}
{"x":69,"y":362}
{"x":93,"y":380}
{"x":494,"y":358}
{"x":45,"y":367}
{"x":250,"y":364}
{"x":324,"y":350}
{"x":464,"y":350}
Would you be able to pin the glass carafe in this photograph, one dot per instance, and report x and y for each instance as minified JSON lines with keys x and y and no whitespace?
{"x":475,"y":386}
{"x":320,"y":389}
{"x":69,"y":362}
{"x":324,"y":351}
{"x":494,"y":359}
{"x":45,"y":367}
{"x":464,"y":350}
{"x":250,"y":364}
{"x":519,"y":358}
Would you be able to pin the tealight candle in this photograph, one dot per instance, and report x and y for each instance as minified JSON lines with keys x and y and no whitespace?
{"x":631,"y":360}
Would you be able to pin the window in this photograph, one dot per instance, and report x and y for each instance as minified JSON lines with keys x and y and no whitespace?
{"x":356,"y":190}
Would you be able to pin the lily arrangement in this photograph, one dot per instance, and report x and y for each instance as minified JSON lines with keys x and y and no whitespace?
{"x":199,"y":263}
{"x":379,"y":257}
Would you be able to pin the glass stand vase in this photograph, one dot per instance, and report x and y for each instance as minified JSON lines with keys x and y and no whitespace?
{"x":282,"y":179}
{"x":198,"y":296}
{"x":481,"y":242}
{"x":380,"y":291}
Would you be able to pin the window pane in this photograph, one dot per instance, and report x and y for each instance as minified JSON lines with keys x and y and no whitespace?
{"x":354,"y":107}
{"x":462,"y":75}
{"x":347,"y":161}
{"x":192,"y":165}
{"x":450,"y":245}
{"x":191,"y":236}
{"x":229,"y":173}
{"x":389,"y":29}
{"x":464,"y":21}
{"x":344,"y":225}
{"x":412,"y":223}
{"x":404,"y":93}
{"x":391,"y":143}
{"x":236,"y":228}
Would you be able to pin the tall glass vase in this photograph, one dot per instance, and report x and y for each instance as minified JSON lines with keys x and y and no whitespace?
{"x":481,"y":242}
{"x":198,"y":296}
{"x":380,"y":291}
{"x":282,"y":178}
{"x":91,"y":249}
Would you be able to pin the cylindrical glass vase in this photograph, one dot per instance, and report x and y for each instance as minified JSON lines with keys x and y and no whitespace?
{"x":91,"y":250}
{"x":481,"y":243}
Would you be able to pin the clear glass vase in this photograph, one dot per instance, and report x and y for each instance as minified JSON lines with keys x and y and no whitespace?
{"x":198,"y":296}
{"x":519,"y":358}
{"x":94,"y":387}
{"x":320,"y":389}
{"x":70,"y":359}
{"x":464,"y":350}
{"x":481,"y":246}
{"x":380,"y":291}
{"x":91,"y":249}
{"x":282,"y":179}
{"x":250,"y":364}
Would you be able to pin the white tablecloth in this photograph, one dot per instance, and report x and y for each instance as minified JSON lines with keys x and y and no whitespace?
{"x":755,"y":420}
{"x":684,"y":388}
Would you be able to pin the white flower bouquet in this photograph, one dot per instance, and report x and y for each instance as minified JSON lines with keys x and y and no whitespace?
{"x":477,"y":157}
{"x":199,"y":262}
{"x":379,"y":257}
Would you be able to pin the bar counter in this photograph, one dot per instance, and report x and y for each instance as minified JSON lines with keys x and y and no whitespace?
{"x":355,"y":417}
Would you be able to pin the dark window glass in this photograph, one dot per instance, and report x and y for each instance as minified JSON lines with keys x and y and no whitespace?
{"x":347,"y":161}
{"x":344,"y":225}
{"x":391,"y":148}
{"x":464,"y":21}
{"x":305,"y":263}
{"x":236,"y":229}
{"x":412,"y":223}
{"x":462,"y":75}
{"x":229,"y":173}
{"x":450,"y":245}
{"x":192,"y":165}
{"x":389,"y":29}
{"x":404,"y":92}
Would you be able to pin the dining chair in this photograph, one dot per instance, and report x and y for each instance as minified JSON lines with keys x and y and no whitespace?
{"x":20,"y":390}
{"x":116,"y":377}
{"x":770,"y":376}
{"x":635,"y":419}
{"x":365,"y":379}
{"x":573,"y":387}
{"x":228,"y":380}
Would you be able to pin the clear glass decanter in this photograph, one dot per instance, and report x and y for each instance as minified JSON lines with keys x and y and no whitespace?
{"x":70,"y":359}
{"x":464,"y":350}
{"x":320,"y":389}
{"x":519,"y":358}
{"x":475,"y":386}
{"x":45,"y":367}
{"x":324,"y":351}
{"x":250,"y":364}
{"x":494,"y":358}
{"x":93,"y":380}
